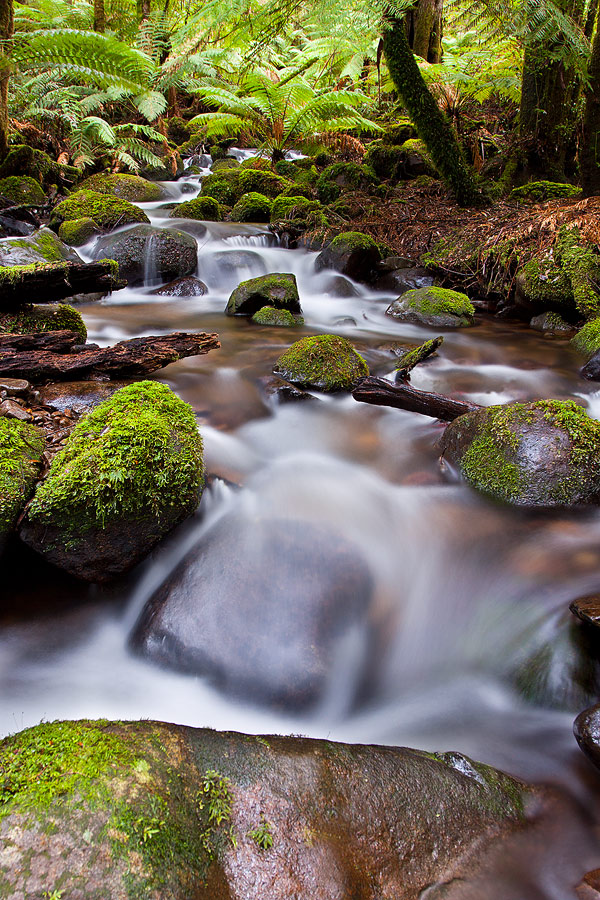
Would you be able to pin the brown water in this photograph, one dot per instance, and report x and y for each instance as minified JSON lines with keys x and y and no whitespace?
{"x":475,"y":649}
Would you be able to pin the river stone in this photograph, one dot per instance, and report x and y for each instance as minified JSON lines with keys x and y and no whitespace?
{"x":129,"y":472}
{"x":587,"y":732}
{"x":80,"y":396}
{"x":541,"y":454}
{"x":259,"y":607}
{"x":278,"y":290}
{"x":189,"y":286}
{"x":164,"y":253}
{"x":404,"y":279}
{"x":42,"y":247}
{"x":14,"y":387}
{"x":351,"y":253}
{"x":551,"y":323}
{"x":167,"y":812}
{"x":324,"y":362}
{"x":434,"y":307}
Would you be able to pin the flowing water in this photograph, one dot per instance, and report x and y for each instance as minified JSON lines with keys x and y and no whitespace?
{"x":467,"y":642}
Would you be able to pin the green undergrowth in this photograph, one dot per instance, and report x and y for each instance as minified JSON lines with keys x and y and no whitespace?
{"x":21,"y":447}
{"x":587,"y":339}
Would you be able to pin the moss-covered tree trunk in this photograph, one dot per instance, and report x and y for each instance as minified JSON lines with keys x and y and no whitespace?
{"x":432,"y":126}
{"x":590,"y":143}
{"x":424,"y":29}
{"x":6,"y":32}
{"x":99,"y":16}
{"x":143,"y":9}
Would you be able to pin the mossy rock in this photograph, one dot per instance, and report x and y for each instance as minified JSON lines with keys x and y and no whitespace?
{"x":21,"y":448}
{"x":541,"y":454}
{"x":385,"y":159}
{"x":178,"y":130}
{"x":352,"y":253}
{"x":262,"y":182}
{"x":147,"y":810}
{"x":295,"y":207}
{"x":126,"y":187}
{"x":42,"y":246}
{"x":343,"y":176}
{"x":401,"y":131}
{"x":257,"y":162}
{"x":44,"y":317}
{"x":325,"y":362}
{"x":223,"y":190}
{"x":205,"y":209}
{"x":252,"y":207}
{"x":23,"y":160}
{"x":106,"y":211}
{"x":173,"y":253}
{"x":77,"y":232}
{"x":129,"y":472}
{"x":433,"y":306}
{"x":587,"y":339}
{"x":281,"y":318}
{"x":536,"y":191}
{"x":417,"y":160}
{"x":300,"y":171}
{"x":228,"y":163}
{"x":278,"y":290}
{"x":551,"y":323}
{"x":297,"y":190}
{"x":22,"y":189}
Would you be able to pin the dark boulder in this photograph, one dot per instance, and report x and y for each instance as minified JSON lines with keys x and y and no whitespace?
{"x":147,"y":252}
{"x":278,"y":290}
{"x":188,"y":286}
{"x":351,"y":253}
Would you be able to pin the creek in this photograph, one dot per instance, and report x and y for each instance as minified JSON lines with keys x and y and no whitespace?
{"x":467,"y":644}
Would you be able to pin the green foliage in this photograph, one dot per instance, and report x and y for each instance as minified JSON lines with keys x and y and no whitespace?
{"x":252,"y":207}
{"x":21,"y":448}
{"x":22,"y":189}
{"x":262,"y":835}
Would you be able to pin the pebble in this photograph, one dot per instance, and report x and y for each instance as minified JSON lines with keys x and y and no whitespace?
{"x":14,"y":387}
{"x":13,"y":410}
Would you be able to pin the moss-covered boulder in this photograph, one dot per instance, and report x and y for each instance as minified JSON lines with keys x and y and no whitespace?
{"x":401,"y":131}
{"x":23,"y":160}
{"x":416,"y":160}
{"x":106,"y":211}
{"x":325,"y":362}
{"x":44,"y":317}
{"x":146,"y":253}
{"x":351,"y":253}
{"x":262,"y":182}
{"x":229,"y":162}
{"x":41,"y":247}
{"x":278,"y":290}
{"x":587,"y":339}
{"x":343,"y":177}
{"x":541,"y":454}
{"x":21,"y":448}
{"x":126,"y":187}
{"x":281,"y":318}
{"x":386,"y":160}
{"x":536,"y":191}
{"x":294,"y":207}
{"x":252,"y":207}
{"x":301,"y":171}
{"x":434,"y":307}
{"x":130,"y":471}
{"x":149,"y":810}
{"x":22,"y":189}
{"x":222,"y":187}
{"x":77,"y":232}
{"x":204,"y":209}
{"x":551,"y":323}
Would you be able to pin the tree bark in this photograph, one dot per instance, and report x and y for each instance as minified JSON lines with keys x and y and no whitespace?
{"x":143,"y":10}
{"x":590,"y":142}
{"x":99,"y":16}
{"x":424,"y":29}
{"x":401,"y":396}
{"x":6,"y":33}
{"x":52,"y":282}
{"x":432,"y":126}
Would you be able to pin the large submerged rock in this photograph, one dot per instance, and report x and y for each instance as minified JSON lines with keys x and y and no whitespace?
{"x":146,"y":252}
{"x":130,"y":471}
{"x":97,"y":810}
{"x":541,"y":454}
{"x":259,"y":607}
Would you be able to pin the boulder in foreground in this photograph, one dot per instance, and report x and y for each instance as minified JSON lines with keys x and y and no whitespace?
{"x":130,"y":471}
{"x":166,"y":812}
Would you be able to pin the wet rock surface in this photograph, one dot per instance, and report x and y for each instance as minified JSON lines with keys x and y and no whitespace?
{"x":182,"y":287}
{"x":586,"y":729}
{"x":145,"y":251}
{"x":351,"y":253}
{"x":279,"y":291}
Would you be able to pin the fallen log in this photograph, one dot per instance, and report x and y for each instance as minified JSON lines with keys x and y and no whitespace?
{"x":401,"y":396}
{"x":54,"y":341}
{"x":412,"y":358}
{"x":127,"y":359}
{"x":47,"y":283}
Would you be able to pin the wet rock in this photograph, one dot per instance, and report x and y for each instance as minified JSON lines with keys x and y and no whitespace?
{"x":148,"y":809}
{"x":21,"y":448}
{"x":589,"y":889}
{"x":258,"y":607}
{"x":434,"y":307}
{"x":282,"y":390}
{"x":325,"y":362}
{"x":403,"y":279}
{"x":587,"y":733}
{"x":200,"y":208}
{"x":145,"y":251}
{"x":13,"y":410}
{"x":78,"y":232}
{"x":182,"y":287}
{"x":41,"y":247}
{"x":587,"y":609}
{"x":108,"y":212}
{"x":14,"y":387}
{"x":278,"y":318}
{"x":351,"y":253}
{"x":341,"y":287}
{"x":542,"y":454}
{"x":131,"y":470}
{"x":126,"y":187}
{"x":278,"y":290}
{"x":550,"y":323}
{"x":591,"y":370}
{"x":80,"y":396}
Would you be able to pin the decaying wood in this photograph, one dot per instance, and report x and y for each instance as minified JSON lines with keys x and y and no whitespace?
{"x":56,"y":281}
{"x":53,"y":341}
{"x":127,"y":359}
{"x":401,"y":396}
{"x":412,"y":358}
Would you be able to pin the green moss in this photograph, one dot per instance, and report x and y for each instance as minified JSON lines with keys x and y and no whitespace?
{"x":537,"y":191}
{"x":297,"y":190}
{"x":15,"y":274}
{"x":220,"y":188}
{"x":343,"y":176}
{"x":107,"y":211}
{"x":178,"y":130}
{"x":228,"y":163}
{"x":487,"y":464}
{"x":22,"y":189}
{"x":263,"y":182}
{"x":279,"y":289}
{"x":415,"y":146}
{"x":587,"y":339}
{"x":385,"y":159}
{"x":268,"y":315}
{"x":326,"y":362}
{"x":292,"y":208}
{"x":137,"y":453}
{"x":42,"y":318}
{"x":400,"y":132}
{"x":581,"y":265}
{"x":203,"y":208}
{"x":77,"y":232}
{"x":24,"y":160}
{"x":127,"y":187}
{"x":436,"y":300}
{"x":251,"y":207}
{"x":349,"y":241}
{"x":21,"y":448}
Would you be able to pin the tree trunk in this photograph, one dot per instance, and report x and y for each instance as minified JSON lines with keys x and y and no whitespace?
{"x":6,"y":32}
{"x":99,"y":16}
{"x":143,"y":10}
{"x":590,"y":142}
{"x":424,"y":29}
{"x":432,"y":126}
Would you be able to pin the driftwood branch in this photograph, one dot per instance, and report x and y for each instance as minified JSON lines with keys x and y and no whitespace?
{"x":401,"y":396}
{"x":412,"y":358}
{"x":127,"y":359}
{"x":54,"y":281}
